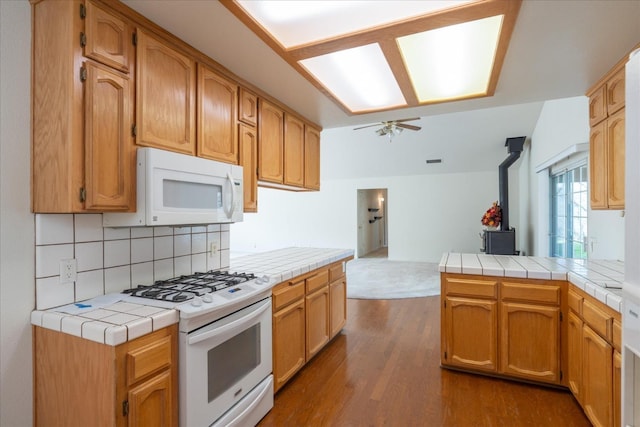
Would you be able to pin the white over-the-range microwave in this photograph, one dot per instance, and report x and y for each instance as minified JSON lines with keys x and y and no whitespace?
{"x":178,"y":189}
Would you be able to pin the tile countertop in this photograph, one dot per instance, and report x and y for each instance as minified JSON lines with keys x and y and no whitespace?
{"x":107,"y":320}
{"x":284,"y":264}
{"x":600,"y":278}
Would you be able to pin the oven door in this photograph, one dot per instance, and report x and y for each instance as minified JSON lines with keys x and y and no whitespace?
{"x":222,"y":362}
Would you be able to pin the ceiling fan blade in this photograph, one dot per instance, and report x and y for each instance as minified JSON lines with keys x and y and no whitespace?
{"x":412,"y":127}
{"x":368,"y":126}
{"x":407,"y":120}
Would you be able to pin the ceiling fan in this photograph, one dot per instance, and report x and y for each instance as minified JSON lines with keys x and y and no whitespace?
{"x":393,"y":127}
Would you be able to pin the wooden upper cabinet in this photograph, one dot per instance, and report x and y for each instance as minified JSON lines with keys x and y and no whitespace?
{"x":109,"y":150}
{"x":615,"y":92}
{"x":293,"y":151}
{"x":270,"y":143}
{"x":107,"y":38}
{"x":82,"y":149}
{"x":165,"y":96}
{"x":615,"y":160}
{"x":598,"y":106}
{"x":311,"y":158}
{"x":248,"y":107}
{"x":248,"y":142}
{"x":217,"y":116}
{"x":598,"y":166}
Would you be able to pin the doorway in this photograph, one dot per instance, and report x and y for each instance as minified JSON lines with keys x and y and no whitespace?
{"x":372,"y":223}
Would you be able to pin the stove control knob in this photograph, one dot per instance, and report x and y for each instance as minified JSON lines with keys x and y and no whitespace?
{"x":208,"y":298}
{"x":265,"y":279}
{"x":196,"y":302}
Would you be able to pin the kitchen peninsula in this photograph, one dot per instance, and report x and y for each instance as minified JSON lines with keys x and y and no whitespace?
{"x":553,"y":321}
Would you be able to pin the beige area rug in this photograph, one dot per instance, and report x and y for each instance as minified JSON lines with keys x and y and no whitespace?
{"x":375,"y":278}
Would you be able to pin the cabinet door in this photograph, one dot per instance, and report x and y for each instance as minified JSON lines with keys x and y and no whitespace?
{"x":597,"y":378}
{"x":311,"y":158}
{"x":271,"y":143}
{"x":615,"y":92}
{"x":150,"y":403}
{"x":615,"y":160}
{"x":317,"y":308}
{"x":598,"y":106}
{"x":165,"y":96}
{"x":108,"y":38}
{"x":288,"y":342}
{"x":109,"y":149}
{"x":530,"y":341}
{"x":248,"y":107}
{"x":617,"y":388}
{"x":217,"y":116}
{"x":598,"y":166}
{"x":249,"y":162}
{"x":293,"y":151}
{"x":337,"y":306}
{"x":574,"y":354}
{"x":470,"y":333}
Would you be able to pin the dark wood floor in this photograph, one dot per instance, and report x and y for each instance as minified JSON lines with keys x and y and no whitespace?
{"x":383,"y":370}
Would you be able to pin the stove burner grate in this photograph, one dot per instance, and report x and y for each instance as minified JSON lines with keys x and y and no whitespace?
{"x":184,"y":288}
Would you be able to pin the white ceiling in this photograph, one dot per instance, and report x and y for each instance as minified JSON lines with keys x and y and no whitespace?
{"x":559,"y":49}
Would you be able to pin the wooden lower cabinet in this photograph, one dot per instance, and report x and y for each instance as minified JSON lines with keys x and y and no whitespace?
{"x":574,"y":355}
{"x":530,"y":341}
{"x":597,"y":378}
{"x":288,"y":342}
{"x":78,"y":382}
{"x":617,"y":388}
{"x":317,"y":311}
{"x":337,"y":306}
{"x":471,"y":333}
{"x":308,"y":311}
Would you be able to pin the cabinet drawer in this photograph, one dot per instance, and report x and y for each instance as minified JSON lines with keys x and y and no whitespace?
{"x":320,"y":279}
{"x":286,"y":293}
{"x":531,"y":292}
{"x":470,"y":287}
{"x":575,"y":302}
{"x":336,"y":272}
{"x":148,"y":359}
{"x":597,"y":319}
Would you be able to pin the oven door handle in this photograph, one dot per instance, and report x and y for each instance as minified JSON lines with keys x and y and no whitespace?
{"x":196,"y":338}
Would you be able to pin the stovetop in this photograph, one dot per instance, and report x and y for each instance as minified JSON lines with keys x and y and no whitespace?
{"x":185,"y":288}
{"x":214,"y":293}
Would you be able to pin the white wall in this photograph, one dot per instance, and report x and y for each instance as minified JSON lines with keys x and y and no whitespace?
{"x":428,"y":215}
{"x":17,"y":288}
{"x":563,"y":123}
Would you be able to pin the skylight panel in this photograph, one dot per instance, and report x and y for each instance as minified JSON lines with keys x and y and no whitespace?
{"x":359,"y":77}
{"x":452,"y":62}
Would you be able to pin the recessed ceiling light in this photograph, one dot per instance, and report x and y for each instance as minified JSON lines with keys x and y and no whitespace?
{"x":452,"y":62}
{"x":360,"y":78}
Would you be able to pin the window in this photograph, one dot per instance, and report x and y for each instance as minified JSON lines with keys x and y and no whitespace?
{"x":569,"y":204}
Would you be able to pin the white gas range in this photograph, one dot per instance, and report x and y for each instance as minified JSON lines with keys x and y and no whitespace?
{"x":225,"y":344}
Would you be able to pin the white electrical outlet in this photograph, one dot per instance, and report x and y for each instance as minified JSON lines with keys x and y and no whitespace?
{"x":212,"y":250}
{"x":68,"y":270}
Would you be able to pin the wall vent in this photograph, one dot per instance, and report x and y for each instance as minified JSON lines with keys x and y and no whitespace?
{"x":430,"y":161}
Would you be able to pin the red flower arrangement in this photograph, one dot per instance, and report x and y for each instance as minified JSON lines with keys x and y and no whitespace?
{"x":492,"y":216}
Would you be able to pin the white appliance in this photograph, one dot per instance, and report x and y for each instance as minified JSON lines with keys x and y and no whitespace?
{"x":177,"y":189}
{"x":631,"y":284}
{"x":225,"y":347}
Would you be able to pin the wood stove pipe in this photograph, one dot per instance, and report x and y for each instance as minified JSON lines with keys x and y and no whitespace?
{"x":514,"y":148}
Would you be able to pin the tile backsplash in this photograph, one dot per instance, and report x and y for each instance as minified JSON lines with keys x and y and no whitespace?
{"x":113,"y":259}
